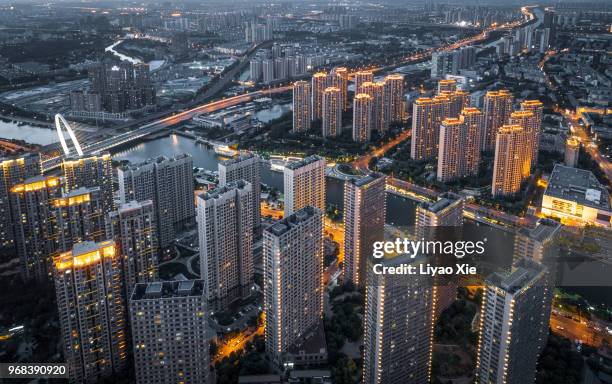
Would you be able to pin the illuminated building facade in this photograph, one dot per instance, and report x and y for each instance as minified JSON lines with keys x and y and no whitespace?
{"x":576,"y":197}
{"x":447,"y":86}
{"x":338,"y":78}
{"x":459,"y":145}
{"x":528,"y":121}
{"x":92,"y":315}
{"x":301,"y":107}
{"x":398,"y":326}
{"x":319,"y":83}
{"x":169,"y":332}
{"x":133,"y":227}
{"x":537,"y":107}
{"x":362,"y":77}
{"x":394,"y":98}
{"x":225,"y":227}
{"x":304,"y":183}
{"x":497,"y":110}
{"x":427,"y":115}
{"x":332,"y":112}
{"x":31,"y":203}
{"x":512,"y":160}
{"x":91,"y":172}
{"x":78,"y":216}
{"x":293,"y":279}
{"x":362,"y":118}
{"x":364,"y":223}
{"x":572,"y":152}
{"x":377,"y":92}
{"x":13,"y":172}
{"x":510,"y":317}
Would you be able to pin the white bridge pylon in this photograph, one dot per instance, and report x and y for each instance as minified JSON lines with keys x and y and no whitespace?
{"x":59,"y":121}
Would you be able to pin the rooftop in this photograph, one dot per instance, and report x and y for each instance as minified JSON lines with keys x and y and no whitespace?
{"x":291,"y":221}
{"x":444,"y":200}
{"x":242,"y":157}
{"x":578,"y":185}
{"x":524,"y":275}
{"x":168,"y":289}
{"x":305,"y":161}
{"x":544,"y":229}
{"x":367,"y":179}
{"x":217,"y":192}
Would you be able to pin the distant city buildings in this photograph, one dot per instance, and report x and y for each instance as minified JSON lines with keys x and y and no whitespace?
{"x":449,"y":63}
{"x":257,"y":32}
{"x":225,"y":227}
{"x":169,"y":332}
{"x":92,"y":313}
{"x":364,"y":223}
{"x":293,"y":280}
{"x":116,"y":87}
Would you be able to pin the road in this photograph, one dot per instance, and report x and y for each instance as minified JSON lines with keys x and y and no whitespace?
{"x":236,"y":344}
{"x":577,"y":330}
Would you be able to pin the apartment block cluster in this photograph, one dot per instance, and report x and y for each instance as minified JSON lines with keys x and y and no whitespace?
{"x":450,"y":63}
{"x":255,"y":32}
{"x":282,"y":62}
{"x":117,"y":89}
{"x":376,"y":104}
{"x":445,"y":127}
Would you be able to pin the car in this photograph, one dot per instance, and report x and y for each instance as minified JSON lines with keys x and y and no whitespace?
{"x":559,"y":328}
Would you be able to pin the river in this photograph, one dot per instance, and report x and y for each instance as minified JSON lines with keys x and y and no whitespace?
{"x":28,"y":133}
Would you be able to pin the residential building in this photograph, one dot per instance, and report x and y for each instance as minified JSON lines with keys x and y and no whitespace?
{"x":332,"y":112}
{"x":497,"y":110}
{"x":427,"y":115}
{"x":364,"y":223}
{"x":91,"y":172}
{"x":301,"y":107}
{"x":169,"y":332}
{"x":304,"y":184}
{"x":512,"y":160}
{"x":362,"y":118}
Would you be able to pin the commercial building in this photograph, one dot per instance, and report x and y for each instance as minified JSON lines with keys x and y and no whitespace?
{"x":225,"y":227}
{"x":332,"y":112}
{"x":511,"y":316}
{"x":170,"y":339}
{"x":133,"y":228}
{"x":304,"y":183}
{"x":91,"y":310}
{"x":576,"y":197}
{"x":301,"y":107}
{"x":293,"y":280}
{"x":364,"y":223}
{"x":362,"y":118}
{"x":168,"y":182}
{"x":512,"y":160}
